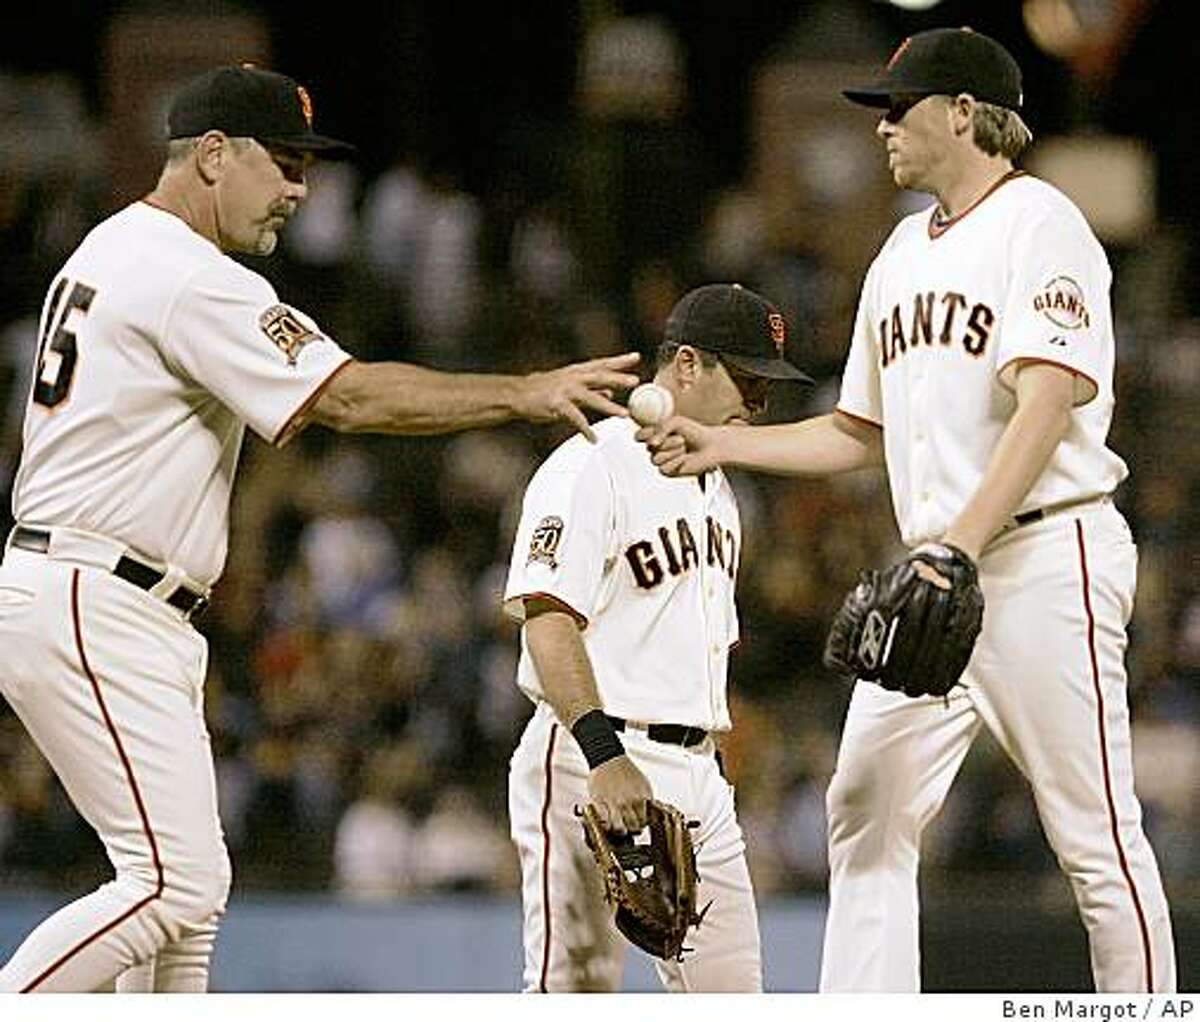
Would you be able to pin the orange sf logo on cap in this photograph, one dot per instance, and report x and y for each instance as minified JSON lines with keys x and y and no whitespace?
{"x":305,"y":104}
{"x":899,"y":50}
{"x":778,"y":331}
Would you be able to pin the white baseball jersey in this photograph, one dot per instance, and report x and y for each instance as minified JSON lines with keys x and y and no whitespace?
{"x":946,"y":313}
{"x":648,"y":564}
{"x":155,"y":350}
{"x":646,"y":561}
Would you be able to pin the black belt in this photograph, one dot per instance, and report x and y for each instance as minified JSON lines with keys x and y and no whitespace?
{"x":1028,"y":517}
{"x":1038,"y":513}
{"x":671,"y":734}
{"x":128,"y":568}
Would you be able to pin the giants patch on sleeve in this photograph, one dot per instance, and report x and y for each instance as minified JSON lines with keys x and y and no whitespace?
{"x":284,"y":329}
{"x":543,"y":545}
{"x":1061,"y":302}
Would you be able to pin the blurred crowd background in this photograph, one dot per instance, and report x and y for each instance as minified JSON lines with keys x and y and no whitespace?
{"x":537,"y":183}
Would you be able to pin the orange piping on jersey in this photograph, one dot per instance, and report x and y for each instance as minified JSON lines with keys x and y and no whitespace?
{"x":858,"y":418}
{"x":1050,"y":362}
{"x":1122,"y":859}
{"x":580,"y":620}
{"x":938,"y":227}
{"x":297,"y":420}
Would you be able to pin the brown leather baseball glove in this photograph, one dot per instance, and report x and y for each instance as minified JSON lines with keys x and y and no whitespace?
{"x":653,"y":886}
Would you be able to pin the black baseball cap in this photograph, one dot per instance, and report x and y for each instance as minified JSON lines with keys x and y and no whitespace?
{"x":249,"y":102}
{"x":742,"y":327}
{"x":946,"y":62}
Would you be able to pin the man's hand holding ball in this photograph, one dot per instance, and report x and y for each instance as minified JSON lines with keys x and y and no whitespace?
{"x":651,"y":404}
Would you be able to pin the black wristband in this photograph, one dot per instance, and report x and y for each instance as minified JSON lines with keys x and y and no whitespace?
{"x":597,"y":738}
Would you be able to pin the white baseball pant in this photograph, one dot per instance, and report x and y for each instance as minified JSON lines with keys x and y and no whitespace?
{"x":108,"y":680}
{"x":571,"y":943}
{"x":1048,"y":680}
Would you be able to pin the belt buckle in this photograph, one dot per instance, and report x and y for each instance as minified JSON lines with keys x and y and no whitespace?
{"x":186,"y":600}
{"x":198,"y":607}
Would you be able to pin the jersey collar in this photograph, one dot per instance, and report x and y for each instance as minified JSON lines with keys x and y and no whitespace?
{"x":939,"y":224}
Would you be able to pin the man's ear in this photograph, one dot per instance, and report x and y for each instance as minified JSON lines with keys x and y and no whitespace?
{"x":212,"y":152}
{"x":686,"y":365}
{"x":962,"y":113}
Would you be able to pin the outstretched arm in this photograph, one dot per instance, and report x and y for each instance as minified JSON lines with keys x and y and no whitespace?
{"x":396,"y":397}
{"x":1045,"y":395}
{"x":821,"y":446}
{"x":616,"y":787}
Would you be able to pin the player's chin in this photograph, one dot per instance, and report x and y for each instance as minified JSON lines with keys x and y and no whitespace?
{"x":266,"y":242}
{"x":903,"y":177}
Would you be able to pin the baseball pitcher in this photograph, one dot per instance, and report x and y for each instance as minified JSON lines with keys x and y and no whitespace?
{"x":980,"y":373}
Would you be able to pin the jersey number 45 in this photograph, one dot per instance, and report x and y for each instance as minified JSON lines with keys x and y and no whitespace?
{"x":56,"y":346}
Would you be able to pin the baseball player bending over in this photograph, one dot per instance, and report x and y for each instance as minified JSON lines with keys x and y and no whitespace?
{"x":624,"y":580}
{"x":980,"y":373}
{"x":156,"y":350}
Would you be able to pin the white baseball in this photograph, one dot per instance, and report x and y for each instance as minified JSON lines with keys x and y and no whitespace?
{"x":650,"y":404}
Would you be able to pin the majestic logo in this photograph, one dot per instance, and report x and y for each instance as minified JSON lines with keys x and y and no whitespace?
{"x":305,"y":103}
{"x":1061,"y":302}
{"x":778,"y":331}
{"x":543,"y":545}
{"x":284,"y":329}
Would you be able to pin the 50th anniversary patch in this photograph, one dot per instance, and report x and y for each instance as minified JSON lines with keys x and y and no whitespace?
{"x":286,"y":331}
{"x":543,"y":544}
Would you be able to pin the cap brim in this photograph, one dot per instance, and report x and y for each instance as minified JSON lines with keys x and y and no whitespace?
{"x":872,"y":95}
{"x":880,"y":95}
{"x":769,"y":368}
{"x":320,"y":145}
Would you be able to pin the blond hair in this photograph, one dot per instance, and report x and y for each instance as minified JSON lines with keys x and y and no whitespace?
{"x":1000,"y":131}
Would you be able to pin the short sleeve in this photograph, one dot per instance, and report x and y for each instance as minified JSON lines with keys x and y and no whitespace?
{"x":1057,"y":307}
{"x":566,"y":535}
{"x":263,"y":359}
{"x":861,"y":395}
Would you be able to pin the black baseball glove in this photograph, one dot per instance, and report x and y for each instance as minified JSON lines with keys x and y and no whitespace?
{"x":906,"y":632}
{"x":652,"y":886}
